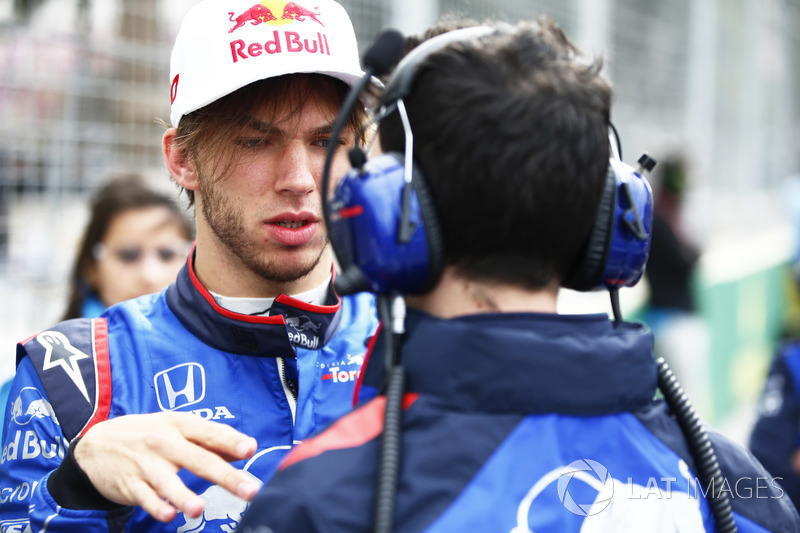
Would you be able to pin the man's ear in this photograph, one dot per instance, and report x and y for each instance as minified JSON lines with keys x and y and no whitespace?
{"x":179,"y":165}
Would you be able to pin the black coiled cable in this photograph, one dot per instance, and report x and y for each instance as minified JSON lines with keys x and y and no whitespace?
{"x":390,"y":453}
{"x":391,"y":438}
{"x":700,"y":447}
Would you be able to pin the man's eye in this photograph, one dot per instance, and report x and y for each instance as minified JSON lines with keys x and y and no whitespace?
{"x":251,"y":142}
{"x":326,"y":142}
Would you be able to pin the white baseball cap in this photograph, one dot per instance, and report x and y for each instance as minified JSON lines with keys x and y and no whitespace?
{"x":223,"y":45}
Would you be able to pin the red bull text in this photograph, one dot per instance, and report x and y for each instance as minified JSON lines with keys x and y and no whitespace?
{"x":282,"y":41}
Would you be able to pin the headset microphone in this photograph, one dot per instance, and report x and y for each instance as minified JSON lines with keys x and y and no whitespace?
{"x":384,"y":52}
{"x":378,"y":60}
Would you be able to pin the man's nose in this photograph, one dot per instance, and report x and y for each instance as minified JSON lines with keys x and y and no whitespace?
{"x":295,"y":173}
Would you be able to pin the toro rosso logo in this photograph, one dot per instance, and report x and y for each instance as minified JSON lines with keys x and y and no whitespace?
{"x":265,"y":13}
{"x":339,"y":374}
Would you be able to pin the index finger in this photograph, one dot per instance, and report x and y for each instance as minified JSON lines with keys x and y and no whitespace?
{"x":219,"y":438}
{"x":201,"y":462}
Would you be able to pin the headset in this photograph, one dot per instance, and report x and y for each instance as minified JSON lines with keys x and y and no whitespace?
{"x":387,"y":232}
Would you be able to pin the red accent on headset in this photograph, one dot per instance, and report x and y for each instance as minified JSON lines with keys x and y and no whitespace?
{"x":350,"y":212}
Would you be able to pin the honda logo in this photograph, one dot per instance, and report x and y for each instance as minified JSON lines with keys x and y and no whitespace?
{"x":180,"y":386}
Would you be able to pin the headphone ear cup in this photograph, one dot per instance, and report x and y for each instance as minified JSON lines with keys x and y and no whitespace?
{"x":367,"y":208}
{"x":433,"y":230}
{"x":615,"y":254}
{"x":633,"y":228}
{"x":588,"y":270}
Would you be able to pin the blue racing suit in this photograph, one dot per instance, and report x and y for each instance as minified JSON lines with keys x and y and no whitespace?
{"x":517,"y":423}
{"x":775,"y":437}
{"x":279,"y":378}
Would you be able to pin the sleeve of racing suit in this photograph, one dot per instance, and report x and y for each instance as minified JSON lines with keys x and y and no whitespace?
{"x":33,"y":448}
{"x":774,"y":437}
{"x":280,"y":512}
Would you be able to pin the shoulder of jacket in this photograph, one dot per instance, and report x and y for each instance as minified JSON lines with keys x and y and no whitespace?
{"x":71,"y":360}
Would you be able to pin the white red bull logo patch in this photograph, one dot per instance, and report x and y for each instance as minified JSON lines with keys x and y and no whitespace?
{"x":27,"y":410}
{"x":275,"y":14}
{"x":30,"y":405}
{"x":303,"y":331}
{"x":223,"y":511}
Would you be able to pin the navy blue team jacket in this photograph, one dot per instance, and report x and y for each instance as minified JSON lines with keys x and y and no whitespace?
{"x":518,"y":423}
{"x":278,"y":378}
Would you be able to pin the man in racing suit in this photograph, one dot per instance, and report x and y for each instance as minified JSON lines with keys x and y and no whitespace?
{"x":514,"y":418}
{"x":128,"y":422}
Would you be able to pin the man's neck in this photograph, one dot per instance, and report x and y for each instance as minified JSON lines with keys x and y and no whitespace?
{"x":456,"y":295}
{"x":224,"y":274}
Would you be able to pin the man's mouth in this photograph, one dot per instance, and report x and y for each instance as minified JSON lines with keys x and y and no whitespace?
{"x":291,"y":224}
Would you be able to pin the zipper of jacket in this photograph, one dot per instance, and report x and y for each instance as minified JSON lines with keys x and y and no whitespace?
{"x":288,"y":390}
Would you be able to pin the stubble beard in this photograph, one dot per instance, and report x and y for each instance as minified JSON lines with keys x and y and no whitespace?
{"x":227,"y":223}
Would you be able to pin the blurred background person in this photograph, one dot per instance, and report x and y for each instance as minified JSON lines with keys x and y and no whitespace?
{"x":775,"y":438}
{"x":673,"y":256}
{"x":136,"y":241}
{"x":681,"y":334}
{"x":775,"y":435}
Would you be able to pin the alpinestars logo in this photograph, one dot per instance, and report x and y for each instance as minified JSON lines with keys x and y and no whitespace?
{"x":59,"y":352}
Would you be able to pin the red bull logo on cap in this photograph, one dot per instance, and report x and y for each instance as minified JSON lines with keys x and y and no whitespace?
{"x":274,"y":13}
{"x":277,"y":13}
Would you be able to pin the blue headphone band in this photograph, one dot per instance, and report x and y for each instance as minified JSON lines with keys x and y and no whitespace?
{"x":406,"y":71}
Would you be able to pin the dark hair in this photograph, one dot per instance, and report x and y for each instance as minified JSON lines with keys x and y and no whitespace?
{"x":511,"y":134}
{"x":208,"y":133}
{"x":123,"y":193}
{"x":445,"y":23}
{"x":671,"y":174}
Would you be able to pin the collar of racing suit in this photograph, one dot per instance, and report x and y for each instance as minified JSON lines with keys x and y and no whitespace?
{"x":581,"y":365}
{"x":290,"y":323}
